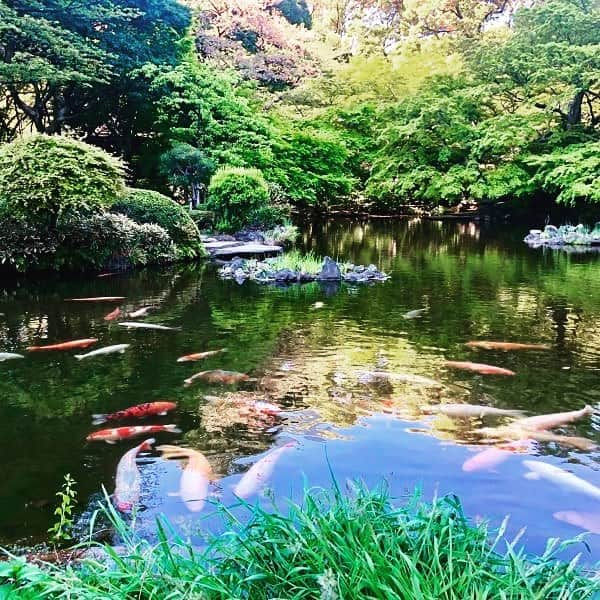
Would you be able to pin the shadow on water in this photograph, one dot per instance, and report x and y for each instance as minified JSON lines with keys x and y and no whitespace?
{"x":323,"y":365}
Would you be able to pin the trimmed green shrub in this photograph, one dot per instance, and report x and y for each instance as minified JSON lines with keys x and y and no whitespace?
{"x":240,"y":198}
{"x":42,"y":176}
{"x":101,"y":239}
{"x":147,"y":206}
{"x":202,"y":218}
{"x":23,"y":245}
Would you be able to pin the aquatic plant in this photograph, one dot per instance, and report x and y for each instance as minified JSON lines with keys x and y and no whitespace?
{"x":61,"y":530}
{"x":330,"y":546}
{"x":297,"y":261}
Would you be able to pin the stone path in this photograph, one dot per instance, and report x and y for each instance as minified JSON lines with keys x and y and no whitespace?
{"x":231,"y":248}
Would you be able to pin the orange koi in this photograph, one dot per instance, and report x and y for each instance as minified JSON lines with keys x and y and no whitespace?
{"x":200,"y":355}
{"x":478,"y":368}
{"x":111,"y":436}
{"x":111,"y":316}
{"x":64,"y":345}
{"x":506,"y":346}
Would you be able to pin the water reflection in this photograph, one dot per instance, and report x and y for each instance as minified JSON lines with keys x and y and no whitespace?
{"x":476,"y":284}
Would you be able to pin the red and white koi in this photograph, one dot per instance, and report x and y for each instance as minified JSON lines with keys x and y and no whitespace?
{"x":72,"y":345}
{"x":257,"y":476}
{"x":139,"y":411}
{"x":111,"y":436}
{"x":478,"y":367}
{"x":128,"y":481}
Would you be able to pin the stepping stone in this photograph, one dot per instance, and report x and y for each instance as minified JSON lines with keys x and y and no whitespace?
{"x":245,"y":249}
{"x":218,"y":245}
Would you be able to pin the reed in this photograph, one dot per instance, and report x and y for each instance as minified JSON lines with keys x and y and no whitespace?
{"x":332,"y":546}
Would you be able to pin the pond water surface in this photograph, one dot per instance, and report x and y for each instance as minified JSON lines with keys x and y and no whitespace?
{"x":475,"y":282}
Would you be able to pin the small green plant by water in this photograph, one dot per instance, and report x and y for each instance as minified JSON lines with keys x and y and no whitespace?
{"x":61,"y":530}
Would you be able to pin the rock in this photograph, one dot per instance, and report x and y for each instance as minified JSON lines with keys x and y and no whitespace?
{"x":285,"y":275}
{"x":237,"y":263}
{"x":330,"y":271}
{"x":305,"y":277}
{"x":248,"y":235}
{"x":225,"y":238}
{"x":372,"y":269}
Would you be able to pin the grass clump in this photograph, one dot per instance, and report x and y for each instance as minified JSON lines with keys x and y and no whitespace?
{"x":297,"y":261}
{"x":330,"y":546}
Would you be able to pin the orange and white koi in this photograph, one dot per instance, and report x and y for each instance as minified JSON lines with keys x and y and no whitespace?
{"x":111,"y":316}
{"x":195,"y":478}
{"x":128,"y":479}
{"x":218,"y":376}
{"x":139,"y":411}
{"x":72,"y":345}
{"x":558,"y":476}
{"x":469,"y":410}
{"x":257,"y":476}
{"x":492,"y":457}
{"x":505,"y":346}
{"x":111,"y":436}
{"x":584,"y":520}
{"x":550,"y":421}
{"x":478,"y":367}
{"x":200,"y":355}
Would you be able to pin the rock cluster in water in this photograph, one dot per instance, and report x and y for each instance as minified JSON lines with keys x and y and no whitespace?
{"x":565,"y":235}
{"x":263,"y":272}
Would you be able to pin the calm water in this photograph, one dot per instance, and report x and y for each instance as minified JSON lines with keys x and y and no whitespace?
{"x":475,"y":284}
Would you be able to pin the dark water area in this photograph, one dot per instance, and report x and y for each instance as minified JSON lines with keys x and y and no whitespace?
{"x":476,"y":282}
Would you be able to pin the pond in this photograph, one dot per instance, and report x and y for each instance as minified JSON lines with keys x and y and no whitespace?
{"x":312,"y":350}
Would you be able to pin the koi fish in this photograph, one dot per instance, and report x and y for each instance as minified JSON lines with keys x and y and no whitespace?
{"x":131,"y":325}
{"x":64,"y":345}
{"x":9,"y":356}
{"x":111,"y":436}
{"x":513,"y":432}
{"x":584,"y":520}
{"x":266,"y":408}
{"x":193,"y":485}
{"x":120,"y":348}
{"x":128,"y":479}
{"x":506,"y":346}
{"x":97,"y":299}
{"x":111,"y":316}
{"x":317,"y":305}
{"x":200,"y":355}
{"x":218,"y":376}
{"x":370,"y":376}
{"x":106,"y":275}
{"x":478,"y":368}
{"x":139,"y":411}
{"x":492,"y":457}
{"x":542,"y":422}
{"x":414,"y":314}
{"x":470,"y":410}
{"x":542,"y":470}
{"x":141,"y":312}
{"x":256,"y":477}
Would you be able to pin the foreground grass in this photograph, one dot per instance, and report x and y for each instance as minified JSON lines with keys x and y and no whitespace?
{"x":331,"y":547}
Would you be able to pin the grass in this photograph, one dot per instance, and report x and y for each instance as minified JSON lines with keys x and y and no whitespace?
{"x":331,"y":547}
{"x":297,"y":261}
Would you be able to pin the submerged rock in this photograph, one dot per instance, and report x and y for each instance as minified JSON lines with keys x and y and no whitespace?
{"x":565,"y":235}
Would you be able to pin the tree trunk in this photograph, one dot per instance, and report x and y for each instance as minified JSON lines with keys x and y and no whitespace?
{"x":195,"y":195}
{"x":574,"y":113}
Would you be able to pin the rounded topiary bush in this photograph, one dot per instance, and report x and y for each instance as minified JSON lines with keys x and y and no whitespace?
{"x":240,"y":198}
{"x":43,"y":176}
{"x":147,"y":206}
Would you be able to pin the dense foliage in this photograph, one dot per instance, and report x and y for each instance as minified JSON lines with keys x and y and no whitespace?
{"x":53,"y":211}
{"x":42,"y":177}
{"x":239,"y":197}
{"x":330,"y":547}
{"x":147,"y":206}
